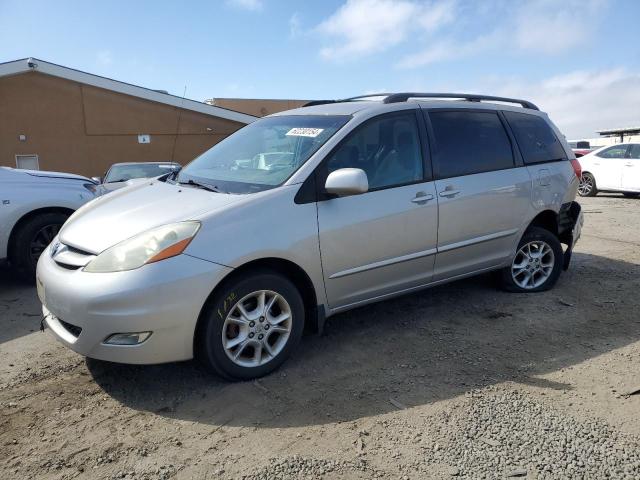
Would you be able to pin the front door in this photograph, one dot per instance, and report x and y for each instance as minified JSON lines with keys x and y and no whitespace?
{"x":382,"y":241}
{"x":631,"y":169}
{"x":483,"y":194}
{"x":608,"y":167}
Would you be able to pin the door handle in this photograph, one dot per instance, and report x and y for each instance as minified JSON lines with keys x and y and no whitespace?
{"x":628,"y":164}
{"x":421,"y":198}
{"x":447,"y":192}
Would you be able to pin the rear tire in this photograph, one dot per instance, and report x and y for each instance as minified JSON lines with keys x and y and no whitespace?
{"x":587,"y":186}
{"x":537,"y":263}
{"x":250,"y":326}
{"x":30,"y":240}
{"x":631,"y":194}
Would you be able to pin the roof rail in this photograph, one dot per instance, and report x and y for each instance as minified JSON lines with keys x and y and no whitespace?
{"x":403,"y":97}
{"x":350,"y":99}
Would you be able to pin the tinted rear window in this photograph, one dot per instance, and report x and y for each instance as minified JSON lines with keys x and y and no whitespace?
{"x":537,"y":141}
{"x":469,"y":142}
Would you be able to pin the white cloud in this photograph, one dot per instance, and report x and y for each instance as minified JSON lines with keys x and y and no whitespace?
{"x":363,"y":27}
{"x":104,"y":58}
{"x":582,"y":102}
{"x":252,"y":5}
{"x":295,"y":26}
{"x":579,"y":102}
{"x":544,"y":26}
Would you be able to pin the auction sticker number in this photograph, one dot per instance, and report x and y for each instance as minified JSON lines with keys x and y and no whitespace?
{"x":305,"y":132}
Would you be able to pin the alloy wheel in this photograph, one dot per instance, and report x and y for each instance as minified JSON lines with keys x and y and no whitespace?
{"x":41,"y":240}
{"x":257,"y":328}
{"x":532,"y":265}
{"x":585,"y":186}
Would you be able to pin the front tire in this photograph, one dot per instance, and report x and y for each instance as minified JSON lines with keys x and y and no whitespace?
{"x":587,"y":186}
{"x":30,"y":240}
{"x":250,"y":326}
{"x":537,"y":263}
{"x":631,"y":194}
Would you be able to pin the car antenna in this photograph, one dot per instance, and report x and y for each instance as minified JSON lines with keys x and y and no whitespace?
{"x":175,"y":139}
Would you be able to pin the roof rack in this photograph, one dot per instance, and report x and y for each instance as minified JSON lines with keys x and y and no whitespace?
{"x":403,"y":97}
{"x":350,"y":99}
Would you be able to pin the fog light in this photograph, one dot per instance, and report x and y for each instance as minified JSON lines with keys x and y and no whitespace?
{"x":127,"y":338}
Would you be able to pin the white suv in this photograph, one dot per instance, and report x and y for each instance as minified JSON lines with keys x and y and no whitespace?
{"x":33,"y":207}
{"x":611,"y":169}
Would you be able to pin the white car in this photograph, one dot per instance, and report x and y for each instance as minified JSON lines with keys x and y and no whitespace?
{"x":33,"y":207}
{"x":122,"y":175}
{"x":611,"y":169}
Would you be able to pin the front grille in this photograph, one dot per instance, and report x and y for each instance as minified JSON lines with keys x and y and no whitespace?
{"x":70,"y":257}
{"x":72,"y":329}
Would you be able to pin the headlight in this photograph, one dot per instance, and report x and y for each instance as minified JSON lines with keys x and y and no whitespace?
{"x":148,"y":247}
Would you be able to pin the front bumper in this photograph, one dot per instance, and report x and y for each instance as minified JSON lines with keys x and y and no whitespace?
{"x":83,"y":309}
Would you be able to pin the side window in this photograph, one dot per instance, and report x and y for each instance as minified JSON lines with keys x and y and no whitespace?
{"x":537,"y":141}
{"x":468,"y":142}
{"x":617,"y":151}
{"x":634,"y":151}
{"x":386,"y":148}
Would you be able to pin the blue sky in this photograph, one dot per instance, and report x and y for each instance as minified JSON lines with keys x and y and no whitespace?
{"x":579,"y":59}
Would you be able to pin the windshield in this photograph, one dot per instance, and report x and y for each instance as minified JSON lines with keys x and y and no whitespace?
{"x":122,"y":173}
{"x":263,"y":154}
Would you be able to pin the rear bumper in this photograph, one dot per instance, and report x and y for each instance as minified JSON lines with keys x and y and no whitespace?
{"x":83,"y":309}
{"x":570,"y":223}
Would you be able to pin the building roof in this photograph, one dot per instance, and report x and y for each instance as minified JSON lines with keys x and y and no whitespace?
{"x":25,"y":65}
{"x":618,"y":131}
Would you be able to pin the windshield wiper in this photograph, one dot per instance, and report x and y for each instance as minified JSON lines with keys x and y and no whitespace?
{"x":205,"y":186}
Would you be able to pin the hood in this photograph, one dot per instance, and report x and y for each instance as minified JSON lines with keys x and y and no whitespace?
{"x":121,"y":214}
{"x":105,"y":188}
{"x":37,"y":174}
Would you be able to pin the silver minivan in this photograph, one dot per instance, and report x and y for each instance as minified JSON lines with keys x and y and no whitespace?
{"x":307,"y":213}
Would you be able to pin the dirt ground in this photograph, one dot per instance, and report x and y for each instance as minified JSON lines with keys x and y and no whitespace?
{"x":462,"y":380}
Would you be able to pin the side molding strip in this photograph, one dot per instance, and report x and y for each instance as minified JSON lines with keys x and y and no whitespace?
{"x":384,"y":263}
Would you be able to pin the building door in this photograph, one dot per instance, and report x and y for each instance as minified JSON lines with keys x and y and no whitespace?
{"x":27,"y":162}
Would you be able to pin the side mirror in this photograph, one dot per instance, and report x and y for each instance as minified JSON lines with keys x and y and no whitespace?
{"x":97,"y":179}
{"x":347,"y":181}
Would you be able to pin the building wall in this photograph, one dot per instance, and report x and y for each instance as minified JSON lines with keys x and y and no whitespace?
{"x":256,"y":107}
{"x":82,"y":129}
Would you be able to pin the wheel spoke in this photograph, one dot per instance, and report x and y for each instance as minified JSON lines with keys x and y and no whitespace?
{"x":279,"y":330}
{"x":234,"y":342}
{"x":240,"y":348}
{"x":238,"y":320}
{"x":257,"y":354}
{"x":243,"y":311}
{"x":279,"y":319}
{"x":271,"y":303}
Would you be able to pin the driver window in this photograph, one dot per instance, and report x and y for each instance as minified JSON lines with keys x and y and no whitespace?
{"x":386,"y":148}
{"x":617,"y":151}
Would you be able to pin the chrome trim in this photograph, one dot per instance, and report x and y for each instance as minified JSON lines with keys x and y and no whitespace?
{"x":384,"y":263}
{"x":473,"y":241}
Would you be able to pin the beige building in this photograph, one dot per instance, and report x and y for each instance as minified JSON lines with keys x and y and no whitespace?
{"x":58,"y":118}
{"x":258,"y":107}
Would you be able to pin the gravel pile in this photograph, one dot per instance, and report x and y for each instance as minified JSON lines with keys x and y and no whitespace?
{"x":508,"y":435}
{"x":298,"y":467}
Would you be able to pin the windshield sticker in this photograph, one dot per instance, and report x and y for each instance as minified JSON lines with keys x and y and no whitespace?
{"x":305,"y":132}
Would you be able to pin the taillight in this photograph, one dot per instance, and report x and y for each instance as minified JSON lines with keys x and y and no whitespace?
{"x":577,"y":168}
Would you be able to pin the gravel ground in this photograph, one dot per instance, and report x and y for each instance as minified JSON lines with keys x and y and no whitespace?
{"x":460,"y":381}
